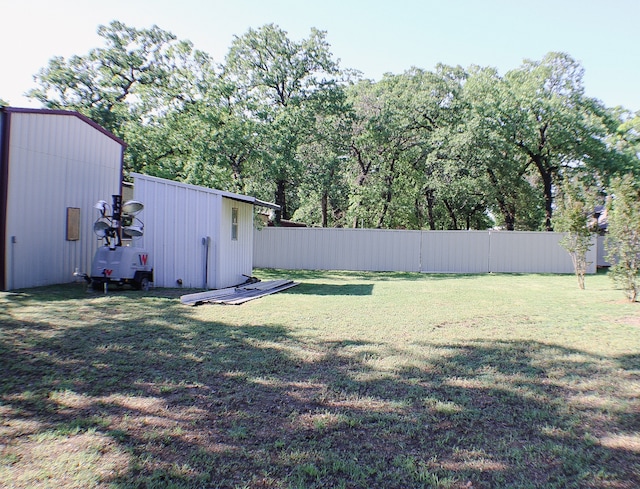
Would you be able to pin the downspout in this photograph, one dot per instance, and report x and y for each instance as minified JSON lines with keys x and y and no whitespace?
{"x":122,"y":149}
{"x":206,"y":242}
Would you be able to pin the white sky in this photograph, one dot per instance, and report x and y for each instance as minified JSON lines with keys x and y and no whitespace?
{"x":372,"y":36}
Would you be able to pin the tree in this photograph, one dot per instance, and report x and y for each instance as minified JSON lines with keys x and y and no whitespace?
{"x":276,"y":78}
{"x":442,"y":149}
{"x":575,"y":208}
{"x":452,"y":186}
{"x":142,"y":86}
{"x":546,"y":117}
{"x":512,"y":193}
{"x":131,"y":74}
{"x":237,"y":141}
{"x":384,"y":136}
{"x":402,"y":163}
{"x":623,"y":239}
{"x":626,"y":140}
{"x":324,"y":188}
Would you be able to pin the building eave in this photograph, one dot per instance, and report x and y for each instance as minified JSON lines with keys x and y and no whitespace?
{"x":84,"y":118}
{"x":223,"y":193}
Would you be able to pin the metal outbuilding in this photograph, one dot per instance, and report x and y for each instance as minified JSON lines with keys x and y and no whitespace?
{"x":54,"y":166}
{"x":198,"y":237}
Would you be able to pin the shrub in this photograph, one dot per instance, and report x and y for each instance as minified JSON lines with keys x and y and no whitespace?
{"x":623,"y":240}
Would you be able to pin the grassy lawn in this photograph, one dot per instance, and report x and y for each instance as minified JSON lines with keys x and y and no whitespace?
{"x":349,"y":380}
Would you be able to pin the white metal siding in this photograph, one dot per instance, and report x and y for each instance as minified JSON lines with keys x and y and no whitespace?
{"x":177,"y":218}
{"x":55,"y":161}
{"x":337,"y":249}
{"x":235,"y":257}
{"x":426,"y":251}
{"x":455,"y":251}
{"x":533,"y":252}
{"x":602,"y":252}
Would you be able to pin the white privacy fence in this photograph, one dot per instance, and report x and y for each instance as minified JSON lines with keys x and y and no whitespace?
{"x":413,"y":251}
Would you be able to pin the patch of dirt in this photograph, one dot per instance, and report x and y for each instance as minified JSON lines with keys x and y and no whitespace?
{"x":86,"y":460}
{"x":630,"y":321}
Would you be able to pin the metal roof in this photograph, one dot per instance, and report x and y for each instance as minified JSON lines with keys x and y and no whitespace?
{"x":223,"y":193}
{"x":82,"y":117}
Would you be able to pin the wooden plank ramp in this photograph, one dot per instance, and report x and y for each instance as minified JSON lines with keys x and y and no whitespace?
{"x":237,"y":295}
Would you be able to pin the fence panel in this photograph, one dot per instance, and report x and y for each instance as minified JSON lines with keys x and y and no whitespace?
{"x":413,"y":251}
{"x":337,"y":249}
{"x":602,"y":252}
{"x":455,"y":252}
{"x":532,"y":252}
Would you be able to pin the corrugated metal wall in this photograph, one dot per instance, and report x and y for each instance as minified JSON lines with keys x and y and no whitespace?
{"x":337,"y":249}
{"x":55,"y":161}
{"x":234,"y":257}
{"x":413,"y":251}
{"x":177,"y":219}
{"x":602,"y":252}
{"x":455,"y":251}
{"x":532,"y":252}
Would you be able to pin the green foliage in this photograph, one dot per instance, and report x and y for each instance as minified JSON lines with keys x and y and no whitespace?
{"x":148,"y":88}
{"x":278,"y":80}
{"x":573,"y":216}
{"x":450,"y":148}
{"x":323,"y":154}
{"x":535,"y":127}
{"x":623,"y":239}
{"x":137,"y":73}
{"x":626,"y":138}
{"x":406,"y":170}
{"x":512,"y":193}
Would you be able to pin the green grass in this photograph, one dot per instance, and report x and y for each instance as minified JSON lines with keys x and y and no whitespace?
{"x":349,"y":380}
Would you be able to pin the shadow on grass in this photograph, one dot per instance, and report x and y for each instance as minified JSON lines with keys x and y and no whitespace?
{"x":630,"y":362}
{"x":331,"y":289}
{"x":301,"y":275}
{"x":172,"y":401}
{"x":81,"y":290}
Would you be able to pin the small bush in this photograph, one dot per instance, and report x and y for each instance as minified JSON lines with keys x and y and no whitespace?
{"x":623,"y":240}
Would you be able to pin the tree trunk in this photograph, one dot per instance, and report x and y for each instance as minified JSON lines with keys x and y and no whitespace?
{"x":547,"y":180}
{"x":388,"y":194}
{"x":281,"y":200}
{"x":452,"y":215}
{"x":325,"y":206}
{"x":548,"y":200}
{"x":236,"y":162}
{"x":546,"y":172}
{"x":508,"y":211}
{"x":418,"y":212}
{"x":430,"y":204}
{"x":361,"y":179}
{"x":385,"y":208}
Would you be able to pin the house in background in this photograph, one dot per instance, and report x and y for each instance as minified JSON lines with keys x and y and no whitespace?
{"x":197,"y":237}
{"x":54,"y":166}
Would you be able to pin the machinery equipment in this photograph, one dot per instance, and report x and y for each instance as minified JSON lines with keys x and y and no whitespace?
{"x":114,"y":263}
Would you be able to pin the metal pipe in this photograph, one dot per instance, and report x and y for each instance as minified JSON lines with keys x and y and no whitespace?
{"x":12,"y":281}
{"x":206,"y":242}
{"x":116,"y":216}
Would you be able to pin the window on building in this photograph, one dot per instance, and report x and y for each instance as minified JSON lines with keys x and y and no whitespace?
{"x":234,"y":224}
